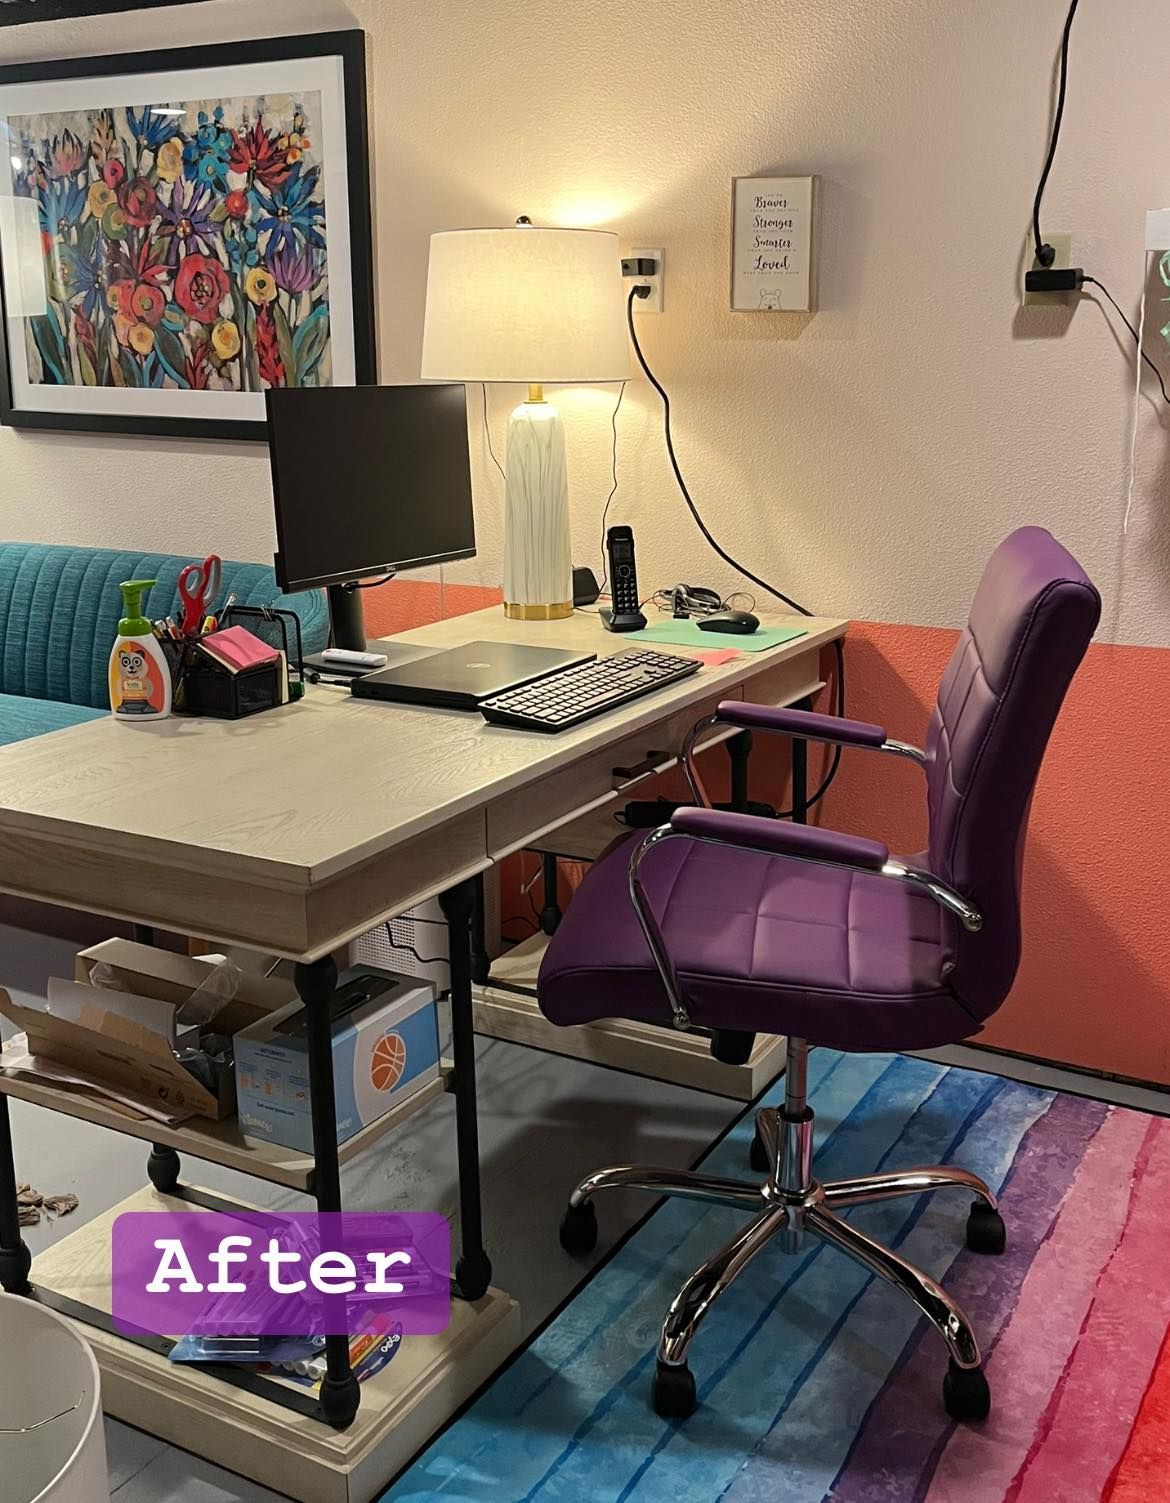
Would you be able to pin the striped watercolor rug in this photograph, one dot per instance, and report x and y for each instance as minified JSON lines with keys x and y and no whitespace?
{"x":816,"y":1381}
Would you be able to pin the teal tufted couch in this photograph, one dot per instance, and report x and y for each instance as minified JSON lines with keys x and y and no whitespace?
{"x":59,"y":611}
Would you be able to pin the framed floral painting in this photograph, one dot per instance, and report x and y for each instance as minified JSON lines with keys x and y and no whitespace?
{"x":181,"y":231}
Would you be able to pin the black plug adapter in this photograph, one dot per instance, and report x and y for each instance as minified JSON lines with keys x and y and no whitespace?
{"x":1054,"y":279}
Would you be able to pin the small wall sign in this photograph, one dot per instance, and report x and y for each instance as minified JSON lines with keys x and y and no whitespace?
{"x":772,"y":244}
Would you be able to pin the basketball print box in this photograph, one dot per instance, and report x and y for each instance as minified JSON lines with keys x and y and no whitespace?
{"x":385,"y":1047}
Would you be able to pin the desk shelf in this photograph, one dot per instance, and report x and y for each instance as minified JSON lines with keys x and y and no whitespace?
{"x":428,"y":1379}
{"x":222,"y":1142}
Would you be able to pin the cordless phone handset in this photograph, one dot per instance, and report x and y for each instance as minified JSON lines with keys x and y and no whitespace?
{"x":625,"y":614}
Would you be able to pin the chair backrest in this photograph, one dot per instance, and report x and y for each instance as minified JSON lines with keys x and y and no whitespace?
{"x":59,"y":611}
{"x":1031,"y":622}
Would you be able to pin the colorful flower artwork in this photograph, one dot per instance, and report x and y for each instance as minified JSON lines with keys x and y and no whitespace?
{"x":183,"y":232}
{"x":184,"y":246}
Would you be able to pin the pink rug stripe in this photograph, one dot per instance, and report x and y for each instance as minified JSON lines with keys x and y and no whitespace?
{"x":1088,"y":1418}
{"x":977,"y":1465}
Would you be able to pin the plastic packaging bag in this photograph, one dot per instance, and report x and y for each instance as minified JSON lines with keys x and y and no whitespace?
{"x":212,"y":995}
{"x":105,"y":977}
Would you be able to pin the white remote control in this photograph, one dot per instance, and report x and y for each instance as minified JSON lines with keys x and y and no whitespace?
{"x":343,"y":655}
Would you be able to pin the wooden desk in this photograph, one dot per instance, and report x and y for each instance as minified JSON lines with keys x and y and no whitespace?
{"x":293,"y":832}
{"x":296,"y":830}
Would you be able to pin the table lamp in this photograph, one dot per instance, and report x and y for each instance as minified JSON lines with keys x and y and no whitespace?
{"x":532,"y":305}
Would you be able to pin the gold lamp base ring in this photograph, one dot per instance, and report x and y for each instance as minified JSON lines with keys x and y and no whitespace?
{"x":557,"y":612}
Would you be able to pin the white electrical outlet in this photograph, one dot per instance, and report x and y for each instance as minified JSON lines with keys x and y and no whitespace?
{"x":1062,"y":245}
{"x":653,"y":303}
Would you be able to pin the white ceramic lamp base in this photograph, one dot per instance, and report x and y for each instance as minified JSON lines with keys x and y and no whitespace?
{"x":538,"y":566}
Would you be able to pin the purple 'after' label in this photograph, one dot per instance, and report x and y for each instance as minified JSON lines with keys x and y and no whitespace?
{"x":302,"y":1273}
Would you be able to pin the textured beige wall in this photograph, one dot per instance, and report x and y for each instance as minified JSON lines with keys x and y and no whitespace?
{"x":866,"y":458}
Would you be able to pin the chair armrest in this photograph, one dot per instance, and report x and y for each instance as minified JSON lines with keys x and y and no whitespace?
{"x":807,"y":725}
{"x":780,"y":838}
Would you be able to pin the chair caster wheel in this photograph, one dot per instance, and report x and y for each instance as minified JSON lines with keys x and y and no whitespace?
{"x":672,"y":1391}
{"x":986,"y":1232}
{"x":759,"y":1155}
{"x":579,"y":1229}
{"x":965,"y":1393}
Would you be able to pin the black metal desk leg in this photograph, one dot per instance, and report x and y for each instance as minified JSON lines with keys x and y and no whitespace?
{"x":481,"y":964}
{"x":473,"y":1269}
{"x":800,"y":772}
{"x":316,"y":981}
{"x":739,"y":750}
{"x":163,"y":1168}
{"x":143,"y":934}
{"x":550,"y":914}
{"x":15,"y":1258}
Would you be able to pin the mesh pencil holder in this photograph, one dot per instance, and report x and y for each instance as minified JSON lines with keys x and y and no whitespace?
{"x":203,"y":686}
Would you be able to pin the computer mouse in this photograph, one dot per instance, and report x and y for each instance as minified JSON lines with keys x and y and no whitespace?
{"x":738,"y":623}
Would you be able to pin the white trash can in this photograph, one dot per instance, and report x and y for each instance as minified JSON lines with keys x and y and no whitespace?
{"x":52,"y":1444}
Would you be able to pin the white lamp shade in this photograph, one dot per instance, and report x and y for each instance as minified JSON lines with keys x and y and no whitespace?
{"x":525,"y":304}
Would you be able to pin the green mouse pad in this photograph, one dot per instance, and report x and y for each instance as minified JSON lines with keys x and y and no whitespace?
{"x":687,"y":634}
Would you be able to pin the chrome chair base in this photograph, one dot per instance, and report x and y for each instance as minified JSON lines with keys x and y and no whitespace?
{"x":790,"y":1205}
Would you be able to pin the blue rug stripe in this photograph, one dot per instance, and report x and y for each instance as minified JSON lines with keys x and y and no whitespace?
{"x":597,"y":1459}
{"x":537,"y":1383}
{"x":869,"y":1336}
{"x":762,"y":1370}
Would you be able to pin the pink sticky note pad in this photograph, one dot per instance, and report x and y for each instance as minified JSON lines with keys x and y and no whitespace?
{"x":715,"y":657}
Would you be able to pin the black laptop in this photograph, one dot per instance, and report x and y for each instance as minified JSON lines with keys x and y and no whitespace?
{"x":461,"y":677}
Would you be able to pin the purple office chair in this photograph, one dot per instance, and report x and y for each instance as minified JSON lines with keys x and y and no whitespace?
{"x":735,"y":924}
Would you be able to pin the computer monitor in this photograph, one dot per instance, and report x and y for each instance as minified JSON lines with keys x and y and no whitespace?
{"x":367,"y":481}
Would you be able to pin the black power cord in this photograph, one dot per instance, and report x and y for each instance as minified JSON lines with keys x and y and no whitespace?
{"x":617,"y":407}
{"x":487,"y":431}
{"x":1046,"y":254}
{"x":1071,"y":279}
{"x":1133,"y":333}
{"x":801,"y":610}
{"x":369,"y":584}
{"x":399,"y":944}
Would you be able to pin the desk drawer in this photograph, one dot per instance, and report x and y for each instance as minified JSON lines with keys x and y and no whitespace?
{"x":786,"y":682}
{"x":529,"y":813}
{"x":595,"y":780}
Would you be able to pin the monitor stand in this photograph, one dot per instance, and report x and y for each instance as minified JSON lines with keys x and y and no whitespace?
{"x":347,"y":628}
{"x":347,"y":624}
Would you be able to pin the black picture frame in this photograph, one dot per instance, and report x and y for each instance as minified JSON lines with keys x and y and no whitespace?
{"x":350,"y":47}
{"x":28,"y":12}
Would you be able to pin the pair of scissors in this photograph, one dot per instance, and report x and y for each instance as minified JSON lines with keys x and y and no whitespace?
{"x":198,"y":590}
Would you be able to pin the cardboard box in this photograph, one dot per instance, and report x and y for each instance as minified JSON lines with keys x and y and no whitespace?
{"x":384,"y":1049}
{"x":102,"y":1043}
{"x":172,"y":978}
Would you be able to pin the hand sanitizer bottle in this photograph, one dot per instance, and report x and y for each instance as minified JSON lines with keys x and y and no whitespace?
{"x":140,"y":676}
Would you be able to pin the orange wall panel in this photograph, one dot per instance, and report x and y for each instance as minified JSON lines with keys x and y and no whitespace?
{"x":1094,"y":985}
{"x":406,"y":603}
